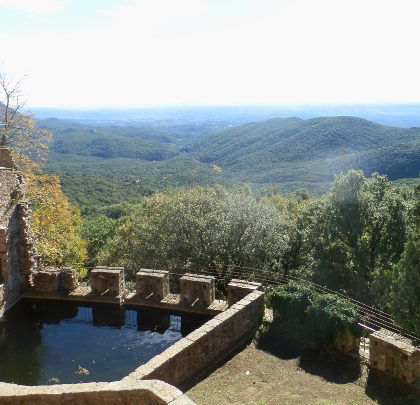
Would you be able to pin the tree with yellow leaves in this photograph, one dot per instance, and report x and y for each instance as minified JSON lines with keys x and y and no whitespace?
{"x":55,"y":223}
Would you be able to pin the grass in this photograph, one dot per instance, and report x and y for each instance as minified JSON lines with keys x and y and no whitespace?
{"x":280,"y":376}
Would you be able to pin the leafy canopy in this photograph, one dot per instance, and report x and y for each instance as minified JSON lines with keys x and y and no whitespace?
{"x":203,"y":225}
{"x":355,"y":234}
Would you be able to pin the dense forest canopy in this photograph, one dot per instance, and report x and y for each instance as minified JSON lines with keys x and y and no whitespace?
{"x":285,"y":153}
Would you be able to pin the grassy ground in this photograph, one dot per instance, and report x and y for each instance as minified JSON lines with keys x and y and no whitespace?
{"x":281,"y":376}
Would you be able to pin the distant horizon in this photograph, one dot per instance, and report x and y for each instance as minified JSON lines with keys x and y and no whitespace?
{"x":238,"y":105}
{"x":393,"y":114}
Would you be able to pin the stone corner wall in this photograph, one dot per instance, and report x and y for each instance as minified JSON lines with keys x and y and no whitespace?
{"x":395,"y":355}
{"x":207,"y":346}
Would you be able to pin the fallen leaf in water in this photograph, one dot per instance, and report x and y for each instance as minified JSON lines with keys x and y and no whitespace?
{"x":81,"y":370}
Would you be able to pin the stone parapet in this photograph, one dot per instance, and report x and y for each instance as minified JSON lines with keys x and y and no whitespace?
{"x":108,"y":281}
{"x":207,"y":346}
{"x":394,"y":354}
{"x":152,"y":284}
{"x":197,"y":289}
{"x":238,"y":289}
{"x":45,"y":281}
{"x":68,"y":279}
{"x":118,"y":392}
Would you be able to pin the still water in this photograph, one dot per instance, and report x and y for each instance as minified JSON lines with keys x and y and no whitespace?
{"x":55,"y":342}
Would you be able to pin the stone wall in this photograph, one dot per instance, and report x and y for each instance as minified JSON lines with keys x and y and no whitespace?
{"x":196,"y":353}
{"x":118,"y":392}
{"x":197,"y":289}
{"x":152,"y":284}
{"x":238,"y":289}
{"x":395,"y":355}
{"x":207,"y":346}
{"x":108,"y":281}
{"x":17,"y":254}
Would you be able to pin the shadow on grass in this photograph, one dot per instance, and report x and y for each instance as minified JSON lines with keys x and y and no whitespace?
{"x":336,"y":370}
{"x":386,"y":390}
{"x":329,"y":365}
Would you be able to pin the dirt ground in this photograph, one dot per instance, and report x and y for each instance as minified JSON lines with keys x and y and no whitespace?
{"x":256,"y":376}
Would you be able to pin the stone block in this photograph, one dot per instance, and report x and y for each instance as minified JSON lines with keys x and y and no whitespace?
{"x":6,"y":159}
{"x":3,"y":268}
{"x":346,"y":342}
{"x":197,"y":289}
{"x":45,"y":280}
{"x":152,"y":284}
{"x":107,"y":281}
{"x":3,"y":241}
{"x":68,"y":279}
{"x":238,"y":289}
{"x":395,"y":355}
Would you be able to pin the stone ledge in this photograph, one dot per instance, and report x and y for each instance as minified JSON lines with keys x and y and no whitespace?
{"x":151,"y":392}
{"x":207,"y":346}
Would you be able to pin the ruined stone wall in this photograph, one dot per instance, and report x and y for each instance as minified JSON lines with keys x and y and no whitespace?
{"x":207,"y":346}
{"x":17,"y":255}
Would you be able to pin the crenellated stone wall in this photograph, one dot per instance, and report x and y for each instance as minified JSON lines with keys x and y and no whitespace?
{"x":18,"y":258}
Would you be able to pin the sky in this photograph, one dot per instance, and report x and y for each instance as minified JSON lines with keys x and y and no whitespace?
{"x":133,"y":53}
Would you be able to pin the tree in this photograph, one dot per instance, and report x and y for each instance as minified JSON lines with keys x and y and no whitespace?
{"x":355,"y":234}
{"x":55,"y":223}
{"x":28,"y":144}
{"x":207,"y":226}
{"x":406,"y":281}
{"x":96,"y":232}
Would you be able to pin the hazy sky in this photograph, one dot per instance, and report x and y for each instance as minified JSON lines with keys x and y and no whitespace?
{"x":90,"y":53}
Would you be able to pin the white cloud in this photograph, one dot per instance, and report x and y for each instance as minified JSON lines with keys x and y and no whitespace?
{"x":35,"y":6}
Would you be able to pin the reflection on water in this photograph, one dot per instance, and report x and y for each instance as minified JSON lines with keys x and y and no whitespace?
{"x":55,"y":342}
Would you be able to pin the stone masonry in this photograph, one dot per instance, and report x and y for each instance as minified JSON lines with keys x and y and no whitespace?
{"x":394,"y":354}
{"x":18,"y":259}
{"x":46,"y":280}
{"x":238,"y":289}
{"x":67,"y":280}
{"x":196,"y":289}
{"x":108,"y":281}
{"x":152,"y":284}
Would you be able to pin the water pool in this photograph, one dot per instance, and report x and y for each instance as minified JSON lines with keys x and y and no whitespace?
{"x":56,"y":342}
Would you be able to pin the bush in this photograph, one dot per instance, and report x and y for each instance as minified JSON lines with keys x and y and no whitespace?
{"x":328,"y":315}
{"x":311,"y":317}
{"x":290,"y":302}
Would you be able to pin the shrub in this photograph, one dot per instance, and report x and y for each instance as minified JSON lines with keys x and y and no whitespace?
{"x":329,"y":314}
{"x":289,"y":303}
{"x":312,"y":317}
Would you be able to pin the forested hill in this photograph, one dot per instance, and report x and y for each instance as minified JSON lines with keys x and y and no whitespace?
{"x":102,"y":165}
{"x":294,"y":150}
{"x":111,"y":141}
